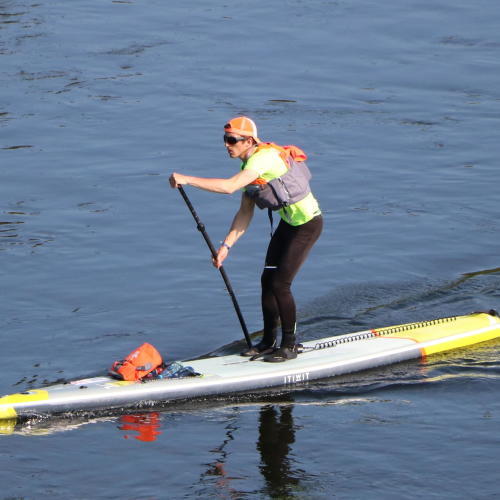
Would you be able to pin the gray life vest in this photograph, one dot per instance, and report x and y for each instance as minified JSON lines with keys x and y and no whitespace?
{"x":282,"y":191}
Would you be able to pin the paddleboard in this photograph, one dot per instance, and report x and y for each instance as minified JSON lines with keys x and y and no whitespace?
{"x":227,"y":375}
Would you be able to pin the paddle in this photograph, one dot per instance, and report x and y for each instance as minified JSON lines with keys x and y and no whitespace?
{"x":201,"y":227}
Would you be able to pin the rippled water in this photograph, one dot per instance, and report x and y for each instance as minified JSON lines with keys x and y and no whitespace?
{"x":397,"y":104}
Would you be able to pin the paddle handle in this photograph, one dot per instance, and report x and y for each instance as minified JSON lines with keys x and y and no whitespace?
{"x":201,"y":227}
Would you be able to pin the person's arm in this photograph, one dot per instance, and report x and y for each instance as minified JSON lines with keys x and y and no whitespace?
{"x":225,"y":186}
{"x":240,"y":224}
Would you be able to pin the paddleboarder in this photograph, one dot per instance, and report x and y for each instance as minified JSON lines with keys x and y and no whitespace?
{"x":299,"y":228}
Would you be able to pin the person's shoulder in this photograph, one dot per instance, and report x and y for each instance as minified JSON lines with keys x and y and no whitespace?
{"x":265,"y":154}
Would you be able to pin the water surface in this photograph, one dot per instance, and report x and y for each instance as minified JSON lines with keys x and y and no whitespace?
{"x":397,"y":105}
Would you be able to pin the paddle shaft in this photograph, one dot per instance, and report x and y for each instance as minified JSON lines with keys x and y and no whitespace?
{"x":201,"y":227}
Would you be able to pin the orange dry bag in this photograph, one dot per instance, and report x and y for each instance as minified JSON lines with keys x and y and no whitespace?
{"x":138,"y":364}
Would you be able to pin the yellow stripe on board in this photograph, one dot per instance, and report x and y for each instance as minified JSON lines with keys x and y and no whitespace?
{"x":7,"y":412}
{"x":463,"y":340}
{"x":7,"y":403}
{"x":448,"y":333}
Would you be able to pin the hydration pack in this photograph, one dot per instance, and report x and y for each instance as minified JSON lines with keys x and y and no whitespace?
{"x":143,"y":362}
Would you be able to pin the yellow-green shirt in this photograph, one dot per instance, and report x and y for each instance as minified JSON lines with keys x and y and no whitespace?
{"x":268,"y":165}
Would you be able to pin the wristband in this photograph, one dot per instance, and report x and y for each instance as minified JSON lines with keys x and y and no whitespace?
{"x":224,"y":244}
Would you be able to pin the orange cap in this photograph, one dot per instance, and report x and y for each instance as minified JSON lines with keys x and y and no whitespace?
{"x":242,"y":125}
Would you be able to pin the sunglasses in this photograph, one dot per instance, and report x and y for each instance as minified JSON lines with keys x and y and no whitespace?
{"x":229,"y":139}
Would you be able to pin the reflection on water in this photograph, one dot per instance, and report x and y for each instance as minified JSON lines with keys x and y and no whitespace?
{"x":276,"y":435}
{"x":274,"y":443}
{"x":145,"y":425}
{"x":216,"y":471}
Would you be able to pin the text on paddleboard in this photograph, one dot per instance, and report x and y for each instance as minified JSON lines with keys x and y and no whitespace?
{"x":296,"y":378}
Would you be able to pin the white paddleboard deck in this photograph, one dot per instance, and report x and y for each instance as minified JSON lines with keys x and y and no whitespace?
{"x":225,"y":375}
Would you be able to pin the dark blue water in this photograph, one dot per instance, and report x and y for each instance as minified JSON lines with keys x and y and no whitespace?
{"x":397,"y":105}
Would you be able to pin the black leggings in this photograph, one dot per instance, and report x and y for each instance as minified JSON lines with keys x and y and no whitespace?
{"x":286,"y":253}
